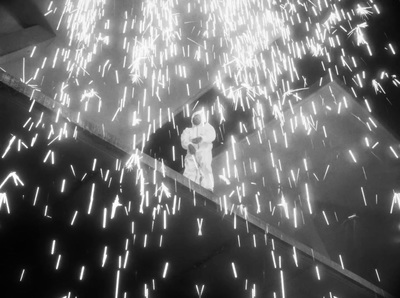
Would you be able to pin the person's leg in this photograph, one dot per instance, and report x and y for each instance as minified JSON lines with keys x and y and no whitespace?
{"x":191,"y":169}
{"x":207,"y":177}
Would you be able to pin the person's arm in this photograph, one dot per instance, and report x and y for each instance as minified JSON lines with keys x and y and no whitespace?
{"x":209,"y":133}
{"x":185,"y":140}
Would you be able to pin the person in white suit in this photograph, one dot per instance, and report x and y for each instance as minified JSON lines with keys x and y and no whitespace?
{"x":197,"y":140}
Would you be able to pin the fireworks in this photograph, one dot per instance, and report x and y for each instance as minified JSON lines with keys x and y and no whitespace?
{"x":138,"y":65}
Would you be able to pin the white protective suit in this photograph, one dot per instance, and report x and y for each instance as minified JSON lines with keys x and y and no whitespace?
{"x":198,"y":165}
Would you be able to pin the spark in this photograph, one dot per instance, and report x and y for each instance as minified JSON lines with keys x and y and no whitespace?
{"x":377,"y":87}
{"x":308,"y":198}
{"x":341,"y":261}
{"x":363,"y":195}
{"x":104,"y":257}
{"x":364,"y":11}
{"x":284,"y":206}
{"x":117,"y":285}
{"x":82,"y":272}
{"x":58,"y":262}
{"x":4,"y":200}
{"x":22,"y":275}
{"x":317,"y":271}
{"x":73,"y":218}
{"x":377,"y":275}
{"x":200,"y":290}
{"x":36,"y":196}
{"x":359,"y":34}
{"x":234,"y":269}
{"x":282,"y":284}
{"x":199,"y":224}
{"x":115,"y":205}
{"x":392,"y":49}
{"x":394,"y":152}
{"x":134,"y":160}
{"x":352,"y":156}
{"x":395,"y":199}
{"x":91,"y":198}
{"x":9,"y":146}
{"x":165,"y":270}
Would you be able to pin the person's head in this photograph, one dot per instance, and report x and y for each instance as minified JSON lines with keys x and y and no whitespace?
{"x":197,"y":118}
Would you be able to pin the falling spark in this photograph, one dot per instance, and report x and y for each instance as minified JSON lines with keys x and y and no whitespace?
{"x":165,"y":270}
{"x":394,"y":152}
{"x":282,"y":284}
{"x":91,"y":199}
{"x":317,"y":271}
{"x":22,"y":275}
{"x":352,"y":156}
{"x":199,"y":224}
{"x":308,"y":198}
{"x":341,"y":261}
{"x":234,"y":269}
{"x":377,"y":275}
{"x":82,"y":272}
{"x":363,"y":195}
{"x":117,"y":285}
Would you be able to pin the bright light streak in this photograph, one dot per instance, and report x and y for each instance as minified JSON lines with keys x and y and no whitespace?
{"x":82,"y":272}
{"x":308,"y":198}
{"x":4,"y":200}
{"x":395,"y":199}
{"x":104,"y":257}
{"x":94,"y":165}
{"x":36,"y":196}
{"x":234,"y":270}
{"x":352,"y":156}
{"x":377,"y":275}
{"x":165,"y":270}
{"x":200,"y":290}
{"x":15,"y":178}
{"x":126,"y":257}
{"x":363,"y":195}
{"x":295,"y":256}
{"x":91,"y":199}
{"x":282,"y":284}
{"x":9,"y":146}
{"x":317,"y":271}
{"x":104,"y":218}
{"x":58,"y":262}
{"x":22,"y":275}
{"x":199,"y":224}
{"x":394,"y":152}
{"x":326,"y":172}
{"x":53,"y":247}
{"x":73,"y":218}
{"x":115,"y":205}
{"x":341,"y":261}
{"x":326,"y":219}
{"x":367,"y":104}
{"x":63,"y":185}
{"x":117,"y":285}
{"x":392,"y":49}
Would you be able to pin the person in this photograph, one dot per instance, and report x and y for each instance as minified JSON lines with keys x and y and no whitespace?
{"x":197,"y":140}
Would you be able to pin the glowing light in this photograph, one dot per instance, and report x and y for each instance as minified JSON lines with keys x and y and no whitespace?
{"x":91,"y":199}
{"x":234,"y":269}
{"x":317,"y":271}
{"x":394,"y":152}
{"x":165,"y":270}
{"x":115,"y":205}
{"x":117,"y":285}
{"x":199,"y":224}
{"x":82,"y":272}
{"x":352,"y":156}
